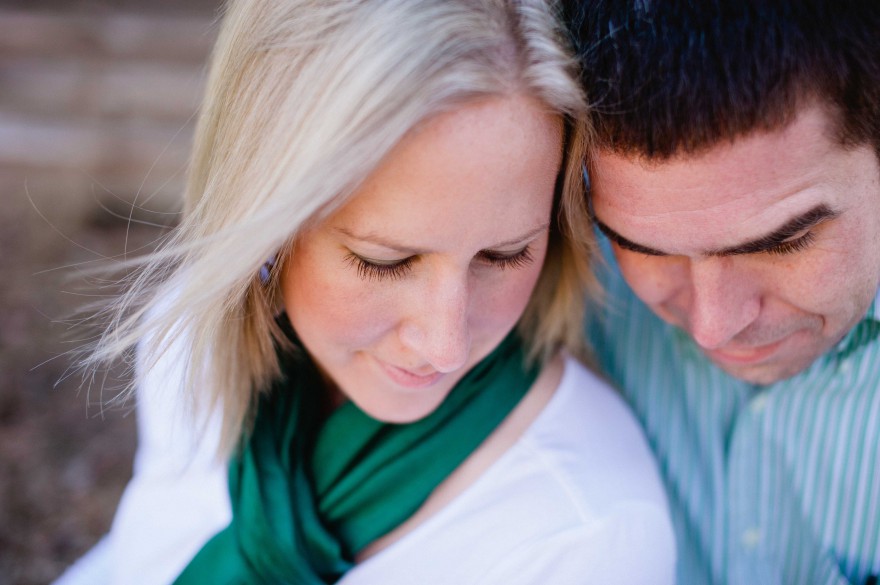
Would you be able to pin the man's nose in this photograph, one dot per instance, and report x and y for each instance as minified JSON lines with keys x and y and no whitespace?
{"x":437,"y":329}
{"x":723,"y":301}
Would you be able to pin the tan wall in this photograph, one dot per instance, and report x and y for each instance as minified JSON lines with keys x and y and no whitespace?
{"x":98,"y":106}
{"x":95,"y":114}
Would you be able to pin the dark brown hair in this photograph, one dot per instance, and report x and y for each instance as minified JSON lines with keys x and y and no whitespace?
{"x":679,"y":76}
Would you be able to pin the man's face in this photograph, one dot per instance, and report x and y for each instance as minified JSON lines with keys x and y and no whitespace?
{"x":765,"y":250}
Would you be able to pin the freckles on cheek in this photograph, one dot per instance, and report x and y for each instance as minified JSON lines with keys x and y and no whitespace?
{"x":508,"y":302}
{"x":344,"y":305}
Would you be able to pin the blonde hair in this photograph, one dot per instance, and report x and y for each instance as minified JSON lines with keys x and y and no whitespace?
{"x":304,"y":99}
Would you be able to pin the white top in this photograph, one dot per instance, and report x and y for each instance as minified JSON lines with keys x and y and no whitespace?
{"x":576,"y":499}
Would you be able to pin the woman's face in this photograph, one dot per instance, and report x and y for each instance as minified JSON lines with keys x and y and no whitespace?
{"x":430,"y":264}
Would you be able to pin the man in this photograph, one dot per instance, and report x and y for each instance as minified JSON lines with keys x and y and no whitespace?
{"x":737,"y":182}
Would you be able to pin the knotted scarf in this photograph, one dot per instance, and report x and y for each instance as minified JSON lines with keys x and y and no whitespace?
{"x":308,"y":494}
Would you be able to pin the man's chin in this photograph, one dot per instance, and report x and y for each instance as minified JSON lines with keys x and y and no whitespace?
{"x":763,"y":374}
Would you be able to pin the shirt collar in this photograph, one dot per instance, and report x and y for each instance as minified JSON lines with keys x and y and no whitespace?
{"x":872,"y":310}
{"x":865,"y":331}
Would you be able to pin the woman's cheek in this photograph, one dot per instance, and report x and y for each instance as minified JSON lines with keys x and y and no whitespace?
{"x":506,"y":300}
{"x":354,"y":308}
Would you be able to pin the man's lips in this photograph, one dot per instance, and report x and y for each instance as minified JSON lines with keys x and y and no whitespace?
{"x":408,"y":378}
{"x":744,"y":355}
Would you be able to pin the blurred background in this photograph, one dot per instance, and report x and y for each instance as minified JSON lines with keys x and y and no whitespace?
{"x":97,"y":99}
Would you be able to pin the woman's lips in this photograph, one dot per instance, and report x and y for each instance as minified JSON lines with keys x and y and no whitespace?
{"x":408,"y":378}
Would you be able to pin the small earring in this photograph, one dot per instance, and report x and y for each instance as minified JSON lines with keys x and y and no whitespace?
{"x":266,"y":270}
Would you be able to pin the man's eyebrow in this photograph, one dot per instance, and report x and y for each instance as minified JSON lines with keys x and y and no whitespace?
{"x":623,"y":242}
{"x":805,"y":221}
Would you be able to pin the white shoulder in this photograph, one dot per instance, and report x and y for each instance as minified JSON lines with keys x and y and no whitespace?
{"x":590,"y":440}
{"x":594,"y":472}
{"x":631,"y":545}
{"x":178,"y":497}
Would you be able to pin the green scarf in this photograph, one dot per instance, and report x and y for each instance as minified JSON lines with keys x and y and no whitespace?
{"x":306,"y":497}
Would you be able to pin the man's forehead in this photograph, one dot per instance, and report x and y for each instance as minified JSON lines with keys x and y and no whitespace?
{"x":629,"y":196}
{"x":710,"y":219}
{"x":696,"y":189}
{"x":754,"y":169}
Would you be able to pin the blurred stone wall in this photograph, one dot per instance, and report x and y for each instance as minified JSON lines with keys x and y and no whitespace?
{"x":97,"y":100}
{"x":98,"y":104}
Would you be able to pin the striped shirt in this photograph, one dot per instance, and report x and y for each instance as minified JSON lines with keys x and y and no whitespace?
{"x":774,"y":484}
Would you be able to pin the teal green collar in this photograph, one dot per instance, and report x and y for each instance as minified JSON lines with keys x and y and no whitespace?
{"x":864,"y":332}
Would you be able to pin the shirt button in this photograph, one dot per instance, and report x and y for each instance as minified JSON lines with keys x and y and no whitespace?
{"x":845,"y":367}
{"x":751,"y":538}
{"x":759,"y":403}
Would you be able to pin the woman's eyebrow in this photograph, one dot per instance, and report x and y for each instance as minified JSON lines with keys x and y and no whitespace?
{"x":523,"y":238}
{"x":379,"y":239}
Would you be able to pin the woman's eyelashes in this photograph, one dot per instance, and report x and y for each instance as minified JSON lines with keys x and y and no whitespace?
{"x":507,"y":260}
{"x":368,"y":269}
{"x":376,"y":270}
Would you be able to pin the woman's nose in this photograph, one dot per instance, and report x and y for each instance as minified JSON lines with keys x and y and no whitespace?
{"x":437,"y":329}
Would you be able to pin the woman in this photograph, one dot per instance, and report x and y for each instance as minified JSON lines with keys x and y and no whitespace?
{"x":391,"y":393}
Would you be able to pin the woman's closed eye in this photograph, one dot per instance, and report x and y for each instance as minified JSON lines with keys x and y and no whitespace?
{"x":370,"y":269}
{"x":507,"y":259}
